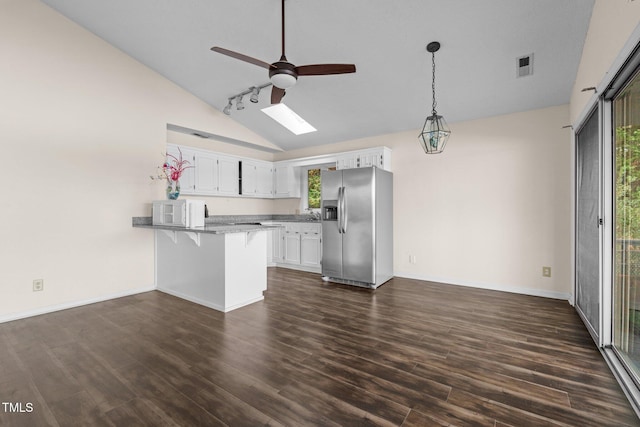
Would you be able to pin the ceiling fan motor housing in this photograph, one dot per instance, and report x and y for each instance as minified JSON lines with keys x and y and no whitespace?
{"x":284,"y":74}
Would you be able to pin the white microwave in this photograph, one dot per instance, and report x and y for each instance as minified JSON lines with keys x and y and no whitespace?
{"x":179,"y":213}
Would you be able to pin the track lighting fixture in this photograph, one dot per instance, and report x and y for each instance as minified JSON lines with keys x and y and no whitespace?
{"x":253,"y":90}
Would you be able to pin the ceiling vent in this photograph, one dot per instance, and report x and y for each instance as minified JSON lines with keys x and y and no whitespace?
{"x":524,"y":65}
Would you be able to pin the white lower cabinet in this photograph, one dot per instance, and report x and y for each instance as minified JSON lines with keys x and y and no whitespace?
{"x":296,"y":245}
{"x":292,"y":247}
{"x":311,"y":247}
{"x":277,"y":245}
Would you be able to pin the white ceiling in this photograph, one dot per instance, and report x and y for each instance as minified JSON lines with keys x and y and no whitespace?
{"x":385,"y":39}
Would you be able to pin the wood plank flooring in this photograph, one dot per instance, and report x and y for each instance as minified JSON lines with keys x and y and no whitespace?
{"x":410,"y":353}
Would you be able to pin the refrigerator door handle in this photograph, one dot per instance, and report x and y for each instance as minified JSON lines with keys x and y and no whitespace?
{"x":345,"y":211}
{"x":340,"y":210}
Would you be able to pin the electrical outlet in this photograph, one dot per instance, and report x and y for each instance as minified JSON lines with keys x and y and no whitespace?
{"x":38,"y":285}
{"x":546,"y":271}
{"x":412,"y":259}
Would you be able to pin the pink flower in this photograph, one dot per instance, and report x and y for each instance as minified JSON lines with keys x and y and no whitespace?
{"x":174,"y":166}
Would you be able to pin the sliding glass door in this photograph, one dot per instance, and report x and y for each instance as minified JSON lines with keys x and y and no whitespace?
{"x":588,"y":223}
{"x":626,"y":289}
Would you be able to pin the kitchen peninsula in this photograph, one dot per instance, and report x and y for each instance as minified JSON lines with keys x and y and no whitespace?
{"x":221,"y":265}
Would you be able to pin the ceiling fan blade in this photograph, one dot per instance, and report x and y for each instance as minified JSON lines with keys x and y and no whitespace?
{"x":325,"y":69}
{"x":276,"y":95}
{"x":241,"y":57}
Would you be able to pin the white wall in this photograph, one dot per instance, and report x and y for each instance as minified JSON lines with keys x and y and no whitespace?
{"x":612,"y":22}
{"x":490,"y":211}
{"x":81,"y":126}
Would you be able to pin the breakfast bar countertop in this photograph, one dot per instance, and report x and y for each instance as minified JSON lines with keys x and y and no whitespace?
{"x":222,"y":224}
{"x":212,"y":228}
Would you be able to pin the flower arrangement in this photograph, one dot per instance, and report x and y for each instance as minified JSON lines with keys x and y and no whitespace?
{"x":172,"y":168}
{"x":171,"y":171}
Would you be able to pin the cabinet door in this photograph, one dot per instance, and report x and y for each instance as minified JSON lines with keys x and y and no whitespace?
{"x":370,"y":159}
{"x":292,"y":247}
{"x":277,"y":245}
{"x":264,"y":180}
{"x":249,"y":179}
{"x":228,"y":176}
{"x":310,"y":249}
{"x":206,"y":174}
{"x":347,"y":162}
{"x":281,"y":181}
{"x":257,"y":179}
{"x":287,"y":181}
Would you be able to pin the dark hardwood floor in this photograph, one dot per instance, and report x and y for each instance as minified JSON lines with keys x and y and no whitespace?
{"x":410,"y":353}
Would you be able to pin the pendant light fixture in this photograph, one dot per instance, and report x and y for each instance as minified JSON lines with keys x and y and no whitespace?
{"x":435,"y":131}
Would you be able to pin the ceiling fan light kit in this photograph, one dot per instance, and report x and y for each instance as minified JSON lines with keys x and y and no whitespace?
{"x":283,"y":74}
{"x":435,"y":132}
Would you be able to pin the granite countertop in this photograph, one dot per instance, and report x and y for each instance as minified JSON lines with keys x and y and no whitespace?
{"x":212,"y":228}
{"x":221,"y":224}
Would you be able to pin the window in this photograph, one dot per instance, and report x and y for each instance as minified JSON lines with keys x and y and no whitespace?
{"x":626,"y":290}
{"x":312,"y":186}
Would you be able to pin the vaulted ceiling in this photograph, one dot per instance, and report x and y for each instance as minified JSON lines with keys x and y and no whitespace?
{"x":385,"y":39}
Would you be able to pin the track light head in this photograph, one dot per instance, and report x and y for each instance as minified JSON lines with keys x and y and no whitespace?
{"x":239,"y":103}
{"x":227,"y":109}
{"x":255,"y":91}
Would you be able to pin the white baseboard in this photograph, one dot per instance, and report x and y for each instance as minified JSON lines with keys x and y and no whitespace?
{"x":490,"y":286}
{"x":58,"y":307}
{"x":297,"y":267}
{"x":210,"y":304}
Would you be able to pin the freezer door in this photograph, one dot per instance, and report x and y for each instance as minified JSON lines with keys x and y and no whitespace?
{"x":358,"y":239}
{"x":331,"y":237}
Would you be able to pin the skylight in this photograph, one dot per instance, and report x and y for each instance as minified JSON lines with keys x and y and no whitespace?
{"x":289,"y":119}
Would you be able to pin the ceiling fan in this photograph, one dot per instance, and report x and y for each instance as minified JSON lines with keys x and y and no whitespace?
{"x":284,"y":74}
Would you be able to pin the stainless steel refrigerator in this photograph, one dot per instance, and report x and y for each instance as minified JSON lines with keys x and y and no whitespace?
{"x":357,"y":226}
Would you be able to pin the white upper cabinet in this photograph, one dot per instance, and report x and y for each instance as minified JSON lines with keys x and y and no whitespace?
{"x":211,"y":174}
{"x":257,"y":178}
{"x":286,"y":180}
{"x":379,"y":157}
{"x":264,"y":188}
{"x":206,"y":172}
{"x":347,"y":161}
{"x":214,"y":174}
{"x":228,"y":176}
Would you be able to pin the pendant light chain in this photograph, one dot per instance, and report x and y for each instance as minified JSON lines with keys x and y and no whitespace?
{"x":433,"y":82}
